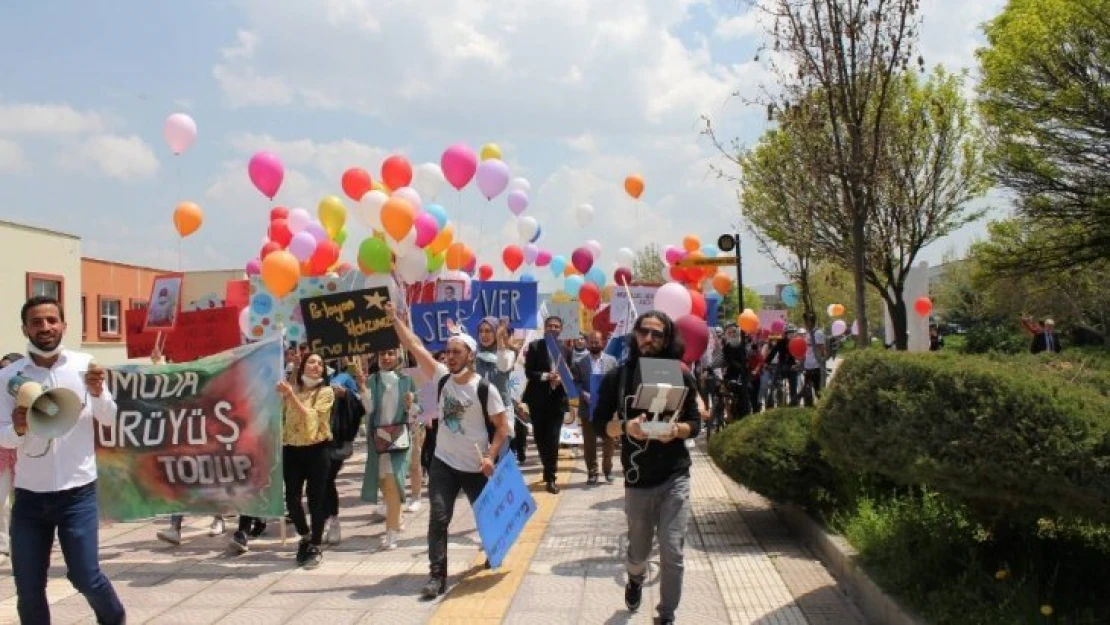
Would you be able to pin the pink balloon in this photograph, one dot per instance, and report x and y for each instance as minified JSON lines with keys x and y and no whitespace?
{"x":531,"y":252}
{"x":493,"y":177}
{"x":582,"y":259}
{"x":594,"y":247}
{"x":180,"y":132}
{"x":472,"y":265}
{"x":672,"y":254}
{"x":266,"y":172}
{"x":622,"y":276}
{"x":317,"y":231}
{"x":777,"y":326}
{"x":543,"y":258}
{"x":518,"y":201}
{"x":426,"y":229}
{"x":458,"y":163}
{"x":695,"y":333}
{"x":254,"y":267}
{"x":673,"y":299}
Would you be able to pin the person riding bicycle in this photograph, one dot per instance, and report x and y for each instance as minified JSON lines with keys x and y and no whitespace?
{"x":734,"y":356}
{"x":781,"y":364}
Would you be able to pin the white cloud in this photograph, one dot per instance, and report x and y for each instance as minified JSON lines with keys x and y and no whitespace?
{"x":12,"y":159}
{"x":122,"y":157}
{"x":48,"y":119}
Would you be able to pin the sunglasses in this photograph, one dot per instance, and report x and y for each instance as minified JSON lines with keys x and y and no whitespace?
{"x":652,"y":332}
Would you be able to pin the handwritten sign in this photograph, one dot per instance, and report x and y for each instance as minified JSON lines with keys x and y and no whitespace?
{"x":348,"y":324}
{"x":515,"y":300}
{"x":503,"y":509}
{"x":623,"y":311}
{"x":199,"y":333}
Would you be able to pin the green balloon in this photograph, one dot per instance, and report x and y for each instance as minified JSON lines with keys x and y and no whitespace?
{"x":374,"y":255}
{"x":341,"y":237}
{"x":435,"y":261}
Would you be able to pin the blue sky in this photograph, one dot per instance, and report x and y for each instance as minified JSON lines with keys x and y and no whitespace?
{"x":577,"y":93}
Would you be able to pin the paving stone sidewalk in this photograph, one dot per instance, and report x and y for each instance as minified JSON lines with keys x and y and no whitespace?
{"x":741,"y":567}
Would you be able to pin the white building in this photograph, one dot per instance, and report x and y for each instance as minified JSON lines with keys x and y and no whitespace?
{"x":38,"y":261}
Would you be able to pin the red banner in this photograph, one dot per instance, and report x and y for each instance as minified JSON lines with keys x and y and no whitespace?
{"x":199,"y":333}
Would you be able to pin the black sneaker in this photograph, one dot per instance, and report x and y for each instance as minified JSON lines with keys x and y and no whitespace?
{"x":591,"y":480}
{"x":258,"y":528}
{"x":633,"y":594}
{"x":302,"y":551}
{"x":239,"y":543}
{"x":609,"y":477}
{"x":435,"y":587}
{"x":312,"y":558}
{"x":659,"y":620}
{"x":552,"y":488}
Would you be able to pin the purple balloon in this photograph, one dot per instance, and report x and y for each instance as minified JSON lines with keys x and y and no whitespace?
{"x":302,"y":245}
{"x":426,"y":229}
{"x":530,"y":253}
{"x":582,"y":259}
{"x":317,"y":231}
{"x":493,"y":177}
{"x":254,"y":267}
{"x":518,"y":201}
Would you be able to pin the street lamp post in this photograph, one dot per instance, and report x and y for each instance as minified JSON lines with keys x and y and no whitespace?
{"x":727,"y":243}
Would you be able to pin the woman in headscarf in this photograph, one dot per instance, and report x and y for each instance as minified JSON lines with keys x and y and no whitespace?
{"x":495,"y":360}
{"x":389,"y":399}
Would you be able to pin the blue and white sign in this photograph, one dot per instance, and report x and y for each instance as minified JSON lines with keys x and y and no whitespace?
{"x":503,"y":509}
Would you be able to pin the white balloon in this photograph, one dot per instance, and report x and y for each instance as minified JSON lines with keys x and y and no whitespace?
{"x":298,"y":220}
{"x":584,"y":214}
{"x":370,"y":208}
{"x":520,"y":184}
{"x":410,"y":268}
{"x":428,"y":179}
{"x":594,"y":247}
{"x":527,"y":227}
{"x":626,"y":258}
{"x":406,"y":244}
{"x":409,"y":194}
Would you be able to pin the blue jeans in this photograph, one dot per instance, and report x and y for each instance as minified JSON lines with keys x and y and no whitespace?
{"x":35,"y":517}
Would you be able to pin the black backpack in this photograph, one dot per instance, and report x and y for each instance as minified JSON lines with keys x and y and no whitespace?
{"x":483,"y":399}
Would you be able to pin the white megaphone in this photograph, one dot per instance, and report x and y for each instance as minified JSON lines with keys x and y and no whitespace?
{"x":50,"y":413}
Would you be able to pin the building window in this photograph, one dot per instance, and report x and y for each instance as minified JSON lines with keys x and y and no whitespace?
{"x":138,"y":304}
{"x":84,"y":317}
{"x":109,"y":317}
{"x":45,"y":284}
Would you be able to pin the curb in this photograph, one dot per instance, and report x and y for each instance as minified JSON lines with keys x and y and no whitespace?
{"x":840,"y":558}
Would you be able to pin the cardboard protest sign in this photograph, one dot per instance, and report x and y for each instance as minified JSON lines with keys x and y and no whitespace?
{"x":199,"y":333}
{"x":516,"y":301}
{"x":200,"y":437}
{"x":271,"y":315}
{"x":503,"y":509}
{"x":623,"y":311}
{"x":351,"y":323}
{"x":432,"y":322}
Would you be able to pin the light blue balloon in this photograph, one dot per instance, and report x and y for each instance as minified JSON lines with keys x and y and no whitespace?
{"x":710,"y":251}
{"x":790,"y":296}
{"x":539,"y":231}
{"x":573,"y":284}
{"x":596,"y":275}
{"x":557,"y":265}
{"x":527,"y":277}
{"x":437,"y":211}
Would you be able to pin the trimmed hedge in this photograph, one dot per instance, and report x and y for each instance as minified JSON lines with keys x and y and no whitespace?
{"x":774,"y":454}
{"x":1002,"y":434}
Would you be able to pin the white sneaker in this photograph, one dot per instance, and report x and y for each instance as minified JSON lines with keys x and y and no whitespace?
{"x":217,"y":528}
{"x":389,"y":541}
{"x":413,"y":506}
{"x":332,"y":536}
{"x":170,"y":536}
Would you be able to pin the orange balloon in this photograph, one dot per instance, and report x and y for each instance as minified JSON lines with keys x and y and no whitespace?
{"x":280,"y":272}
{"x":569,"y":270}
{"x":749,"y":321}
{"x":722,"y":283}
{"x":456,"y":256}
{"x":442,"y":241}
{"x":691,"y":244}
{"x":397,"y":217}
{"x":634,"y":185}
{"x":187,"y":218}
{"x":836,"y":310}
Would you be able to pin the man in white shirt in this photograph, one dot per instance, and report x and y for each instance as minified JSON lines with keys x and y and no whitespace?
{"x":56,"y":482}
{"x":464,"y":454}
{"x":814,"y":364}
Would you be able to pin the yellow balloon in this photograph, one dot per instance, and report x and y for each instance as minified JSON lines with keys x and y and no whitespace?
{"x":378,"y":186}
{"x":333,"y":214}
{"x":442,"y":241}
{"x":490,"y":151}
{"x":560,"y":297}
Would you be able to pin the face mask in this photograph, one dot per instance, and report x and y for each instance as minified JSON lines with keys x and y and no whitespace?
{"x":389,"y":377}
{"x":35,"y":351}
{"x":310,"y":382}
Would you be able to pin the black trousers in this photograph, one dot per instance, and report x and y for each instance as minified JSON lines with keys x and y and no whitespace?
{"x":307,"y":466}
{"x":444,"y":484}
{"x":519,"y":443}
{"x":547,"y":424}
{"x":331,"y":490}
{"x":428,"y":451}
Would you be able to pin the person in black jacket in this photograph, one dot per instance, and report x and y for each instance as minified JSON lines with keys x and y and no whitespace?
{"x":656,"y":471}
{"x":545,"y":397}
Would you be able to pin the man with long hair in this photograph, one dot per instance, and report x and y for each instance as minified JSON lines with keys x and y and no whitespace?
{"x":656,"y":469}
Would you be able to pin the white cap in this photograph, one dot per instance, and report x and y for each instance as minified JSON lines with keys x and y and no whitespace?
{"x":465,"y":339}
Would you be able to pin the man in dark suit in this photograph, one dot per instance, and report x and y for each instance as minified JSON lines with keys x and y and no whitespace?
{"x":594,"y":361}
{"x":1046,"y":340}
{"x":545,"y":398}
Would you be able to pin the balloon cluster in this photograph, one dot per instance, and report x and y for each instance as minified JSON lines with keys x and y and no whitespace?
{"x":298,"y":245}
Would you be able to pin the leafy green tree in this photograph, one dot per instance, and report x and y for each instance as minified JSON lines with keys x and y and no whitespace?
{"x":1044,"y":97}
{"x":649,"y":265}
{"x":730,"y":308}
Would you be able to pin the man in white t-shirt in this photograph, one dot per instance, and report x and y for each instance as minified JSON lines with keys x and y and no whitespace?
{"x":815,"y":357}
{"x":464,"y":455}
